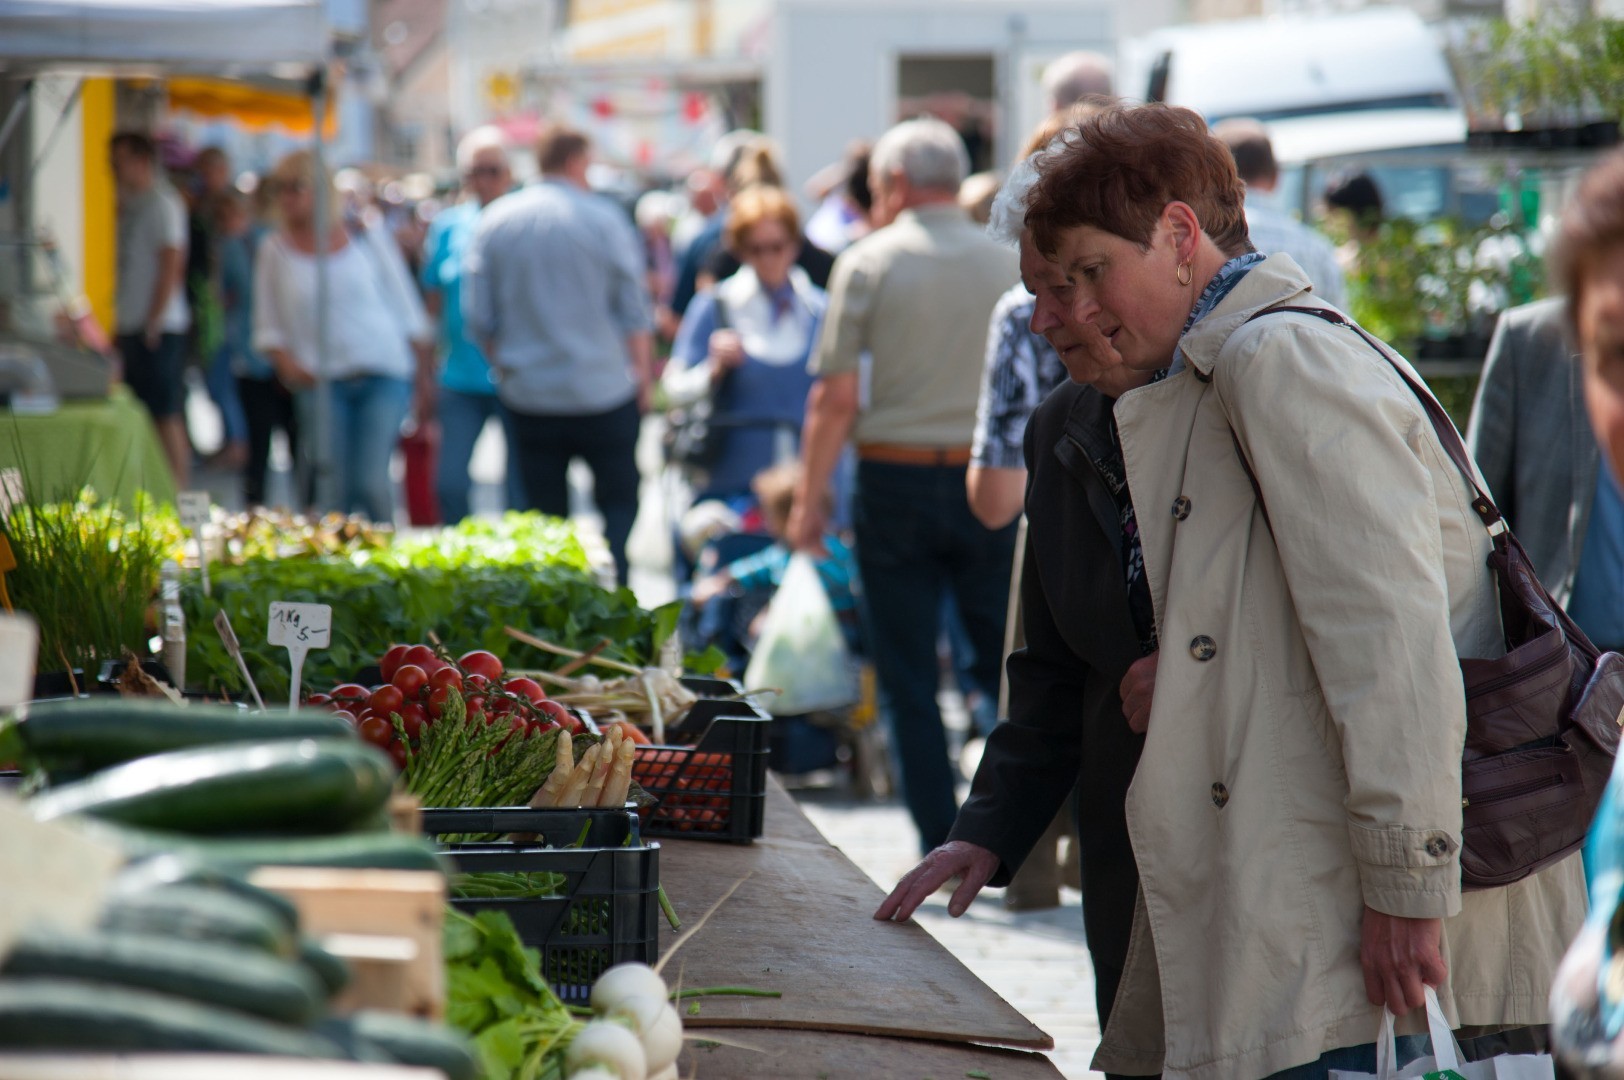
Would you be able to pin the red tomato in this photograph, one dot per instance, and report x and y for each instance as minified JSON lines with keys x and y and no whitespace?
{"x":561,"y":716}
{"x":385,"y":700}
{"x":446,"y":676}
{"x":392,"y":660}
{"x":419,"y":655}
{"x":412,"y":718}
{"x":410,"y":680}
{"x":377,"y":731}
{"x":319,"y":699}
{"x":480,"y":662}
{"x":345,"y":714}
{"x":437,"y":700}
{"x":526,"y":688}
{"x":350,"y":692}
{"x":473,"y":683}
{"x":520,"y":725}
{"x":435,"y":665}
{"x":397,"y":752}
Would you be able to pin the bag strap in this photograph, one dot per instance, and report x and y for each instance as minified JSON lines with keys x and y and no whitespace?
{"x":1441,"y":424}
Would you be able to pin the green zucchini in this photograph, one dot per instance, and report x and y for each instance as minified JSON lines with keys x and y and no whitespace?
{"x":80,"y":1016}
{"x":295,"y":785}
{"x":198,"y":913}
{"x":416,"y":1042}
{"x":93,"y":733}
{"x":214,"y":974}
{"x":361,"y":851}
{"x":274,"y":904}
{"x":331,"y":971}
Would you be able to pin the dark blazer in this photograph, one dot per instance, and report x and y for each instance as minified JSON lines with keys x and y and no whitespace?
{"x":1065,"y":725}
{"x":1532,"y":440}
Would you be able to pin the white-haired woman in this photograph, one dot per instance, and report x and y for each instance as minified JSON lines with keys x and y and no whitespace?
{"x":378,"y":336}
{"x":467,"y":386}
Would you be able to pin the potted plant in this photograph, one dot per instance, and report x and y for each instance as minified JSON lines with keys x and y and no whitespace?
{"x":1552,"y":82}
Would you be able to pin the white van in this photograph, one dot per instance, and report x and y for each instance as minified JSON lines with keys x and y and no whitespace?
{"x":1372,"y":82}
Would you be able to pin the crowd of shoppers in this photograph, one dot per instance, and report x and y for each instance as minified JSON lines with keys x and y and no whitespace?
{"x":1133,"y":427}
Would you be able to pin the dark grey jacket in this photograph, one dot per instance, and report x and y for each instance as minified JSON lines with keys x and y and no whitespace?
{"x":1532,"y":439}
{"x":1065,"y":723}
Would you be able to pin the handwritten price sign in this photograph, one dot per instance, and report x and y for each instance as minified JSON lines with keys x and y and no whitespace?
{"x":299,"y":628}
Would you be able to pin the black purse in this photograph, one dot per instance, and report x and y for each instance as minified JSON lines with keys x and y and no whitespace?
{"x":1542,"y":721}
{"x":695,"y":434}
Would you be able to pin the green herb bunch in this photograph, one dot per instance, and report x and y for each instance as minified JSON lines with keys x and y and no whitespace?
{"x":87,"y":572}
{"x":496,"y":995}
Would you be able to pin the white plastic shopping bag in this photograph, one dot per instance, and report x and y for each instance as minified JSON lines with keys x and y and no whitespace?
{"x":1446,"y":1063}
{"x":801,"y":652}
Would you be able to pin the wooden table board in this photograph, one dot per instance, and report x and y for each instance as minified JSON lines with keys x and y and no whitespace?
{"x":803,"y":924}
{"x":813,"y":1055}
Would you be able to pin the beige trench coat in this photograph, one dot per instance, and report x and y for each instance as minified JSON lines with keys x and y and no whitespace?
{"x":1303,"y":758}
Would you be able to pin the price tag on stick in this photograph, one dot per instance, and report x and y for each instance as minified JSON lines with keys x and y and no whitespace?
{"x":222,"y":623}
{"x":299,"y":628}
{"x":194,"y":514}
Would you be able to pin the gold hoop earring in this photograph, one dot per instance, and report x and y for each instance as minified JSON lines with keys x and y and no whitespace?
{"x":1184,"y":273}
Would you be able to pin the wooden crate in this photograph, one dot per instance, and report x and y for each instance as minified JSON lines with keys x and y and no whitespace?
{"x":386,"y":924}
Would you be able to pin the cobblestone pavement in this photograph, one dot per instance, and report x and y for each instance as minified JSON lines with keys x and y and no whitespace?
{"x":1035,"y":960}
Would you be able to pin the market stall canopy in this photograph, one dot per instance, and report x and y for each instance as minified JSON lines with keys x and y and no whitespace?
{"x":285,"y":39}
{"x":255,"y":106}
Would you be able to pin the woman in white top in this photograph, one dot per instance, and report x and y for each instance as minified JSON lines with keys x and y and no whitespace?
{"x":379,"y":339}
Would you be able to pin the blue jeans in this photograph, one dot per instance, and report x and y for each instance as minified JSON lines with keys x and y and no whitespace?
{"x":462,"y":418}
{"x":222,"y":384}
{"x":1358,"y":1058}
{"x":916,"y":542}
{"x":367,"y":414}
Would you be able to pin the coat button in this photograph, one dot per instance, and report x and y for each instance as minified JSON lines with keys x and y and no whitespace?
{"x":1203,"y":647}
{"x":1181,"y":508}
{"x":1220,"y":796}
{"x":1438,"y":846}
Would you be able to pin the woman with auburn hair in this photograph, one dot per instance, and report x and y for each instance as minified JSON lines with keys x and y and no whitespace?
{"x":1304,"y":552}
{"x":745,"y":343}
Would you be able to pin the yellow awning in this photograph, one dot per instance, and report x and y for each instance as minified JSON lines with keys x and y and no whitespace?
{"x":254,"y":107}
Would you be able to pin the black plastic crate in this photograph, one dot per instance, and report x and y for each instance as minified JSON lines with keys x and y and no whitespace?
{"x":714,"y":787}
{"x":606,"y":910}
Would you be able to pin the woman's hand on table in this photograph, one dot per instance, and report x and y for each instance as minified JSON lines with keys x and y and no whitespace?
{"x":974,"y":864}
{"x":1138,"y":685}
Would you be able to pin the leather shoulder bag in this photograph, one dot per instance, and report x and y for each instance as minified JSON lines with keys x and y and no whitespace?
{"x":1542,"y":721}
{"x":694,"y":433}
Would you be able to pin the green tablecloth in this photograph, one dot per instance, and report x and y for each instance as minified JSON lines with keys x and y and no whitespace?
{"x":109,"y":446}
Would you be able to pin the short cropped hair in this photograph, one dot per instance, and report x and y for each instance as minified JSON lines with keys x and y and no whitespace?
{"x":774,"y":489}
{"x":136,"y":144}
{"x":1592,"y":229}
{"x":1075,"y":76}
{"x":1119,"y":168}
{"x":751,"y":207}
{"x":558,"y":147}
{"x":1249,"y":145}
{"x":482,"y":138}
{"x":928,"y":152}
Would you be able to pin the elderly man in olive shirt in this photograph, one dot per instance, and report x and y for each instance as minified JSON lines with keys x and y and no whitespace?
{"x":915,"y":297}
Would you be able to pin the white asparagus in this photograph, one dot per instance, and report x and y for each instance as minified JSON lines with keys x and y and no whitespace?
{"x":600,"y":771}
{"x":563,"y":765}
{"x":571,"y":796}
{"x":619,"y":783}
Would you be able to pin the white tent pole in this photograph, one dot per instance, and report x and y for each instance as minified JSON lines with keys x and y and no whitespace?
{"x":322,"y":460}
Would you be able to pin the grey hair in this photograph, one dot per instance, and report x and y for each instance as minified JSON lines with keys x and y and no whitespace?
{"x":926,"y":151}
{"x":485,"y":137}
{"x":1075,"y":76}
{"x":1008,"y":219}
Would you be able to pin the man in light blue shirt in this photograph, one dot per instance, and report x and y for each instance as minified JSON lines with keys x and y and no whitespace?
{"x":553,"y":286}
{"x":1272,"y":230}
{"x":467,"y":399}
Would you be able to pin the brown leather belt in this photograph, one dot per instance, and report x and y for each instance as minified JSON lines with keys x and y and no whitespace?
{"x":897,"y":454}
